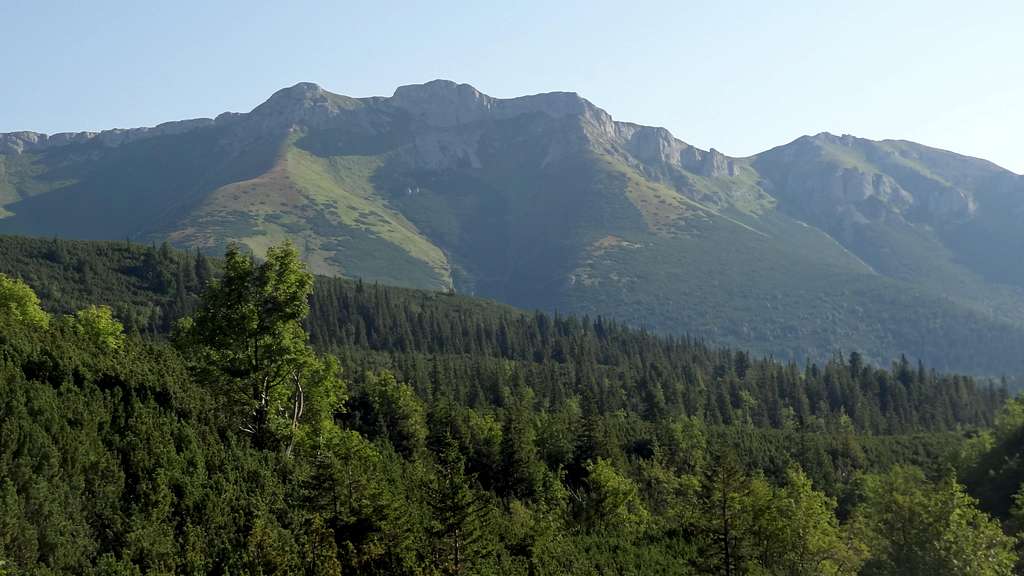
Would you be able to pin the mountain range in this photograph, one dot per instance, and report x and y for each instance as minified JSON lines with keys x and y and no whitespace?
{"x":825,"y":244}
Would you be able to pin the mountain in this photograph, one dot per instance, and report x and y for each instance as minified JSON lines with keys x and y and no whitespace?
{"x":824,"y":244}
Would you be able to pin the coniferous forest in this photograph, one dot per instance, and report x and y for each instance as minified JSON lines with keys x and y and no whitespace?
{"x":164,"y":412}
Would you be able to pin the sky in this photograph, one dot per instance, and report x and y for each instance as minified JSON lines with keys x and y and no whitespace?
{"x":738,"y":76}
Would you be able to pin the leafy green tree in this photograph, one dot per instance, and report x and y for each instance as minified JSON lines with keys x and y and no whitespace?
{"x":748,"y":525}
{"x":1010,"y":420}
{"x":248,"y":341}
{"x":99,"y":327}
{"x":801,"y":535}
{"x":19,"y":305}
{"x":394,"y":413}
{"x":611,"y":501}
{"x":917,"y":528}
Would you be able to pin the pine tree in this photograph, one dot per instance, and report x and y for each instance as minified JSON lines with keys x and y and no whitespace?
{"x":458,"y":515}
{"x":203,"y":269}
{"x":726,"y":489}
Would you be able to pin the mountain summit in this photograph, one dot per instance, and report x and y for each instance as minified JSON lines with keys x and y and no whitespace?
{"x":827,"y":243}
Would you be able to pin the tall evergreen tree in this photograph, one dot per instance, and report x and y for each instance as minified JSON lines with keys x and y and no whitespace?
{"x":458,"y":515}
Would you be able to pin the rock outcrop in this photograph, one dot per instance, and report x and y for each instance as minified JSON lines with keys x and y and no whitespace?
{"x":450,"y":118}
{"x":22,"y":142}
{"x":840,"y":180}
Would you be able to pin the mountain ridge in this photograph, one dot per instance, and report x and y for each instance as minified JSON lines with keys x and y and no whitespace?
{"x":546,"y":201}
{"x":28,"y":140}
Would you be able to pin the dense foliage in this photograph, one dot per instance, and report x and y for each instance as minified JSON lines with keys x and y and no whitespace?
{"x":147,"y":287}
{"x":425,"y":336}
{"x":465,"y":438}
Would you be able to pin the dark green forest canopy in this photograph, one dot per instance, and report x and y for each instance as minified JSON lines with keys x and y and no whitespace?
{"x":429,"y":337}
{"x":466,"y":438}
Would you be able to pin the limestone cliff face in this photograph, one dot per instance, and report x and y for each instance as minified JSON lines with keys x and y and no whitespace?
{"x":445,"y":104}
{"x":859,"y":195}
{"x":841,"y":180}
{"x":446,"y":121}
{"x":442,"y":103}
{"x":443,"y":123}
{"x":658,"y":146}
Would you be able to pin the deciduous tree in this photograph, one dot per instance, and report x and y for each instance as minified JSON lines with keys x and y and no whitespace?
{"x":247,"y":340}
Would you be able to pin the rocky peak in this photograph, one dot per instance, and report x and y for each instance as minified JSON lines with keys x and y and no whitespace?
{"x":830,"y":138}
{"x":442,"y":103}
{"x":304,"y":103}
{"x":554,"y":104}
{"x":844,"y":180}
{"x":300,"y":94}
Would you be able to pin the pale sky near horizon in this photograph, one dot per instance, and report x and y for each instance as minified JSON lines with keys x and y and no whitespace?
{"x":739,"y":76}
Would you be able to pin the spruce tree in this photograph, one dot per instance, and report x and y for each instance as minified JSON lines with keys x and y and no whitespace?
{"x":459,"y":515}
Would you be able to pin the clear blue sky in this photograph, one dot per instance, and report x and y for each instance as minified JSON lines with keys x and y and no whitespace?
{"x":738,"y":76}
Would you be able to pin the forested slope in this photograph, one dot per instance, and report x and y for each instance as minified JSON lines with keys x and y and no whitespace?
{"x":427,"y":433}
{"x":421,"y":332}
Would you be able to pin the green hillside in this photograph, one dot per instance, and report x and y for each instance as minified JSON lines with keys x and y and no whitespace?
{"x":431,"y":433}
{"x":824,"y":245}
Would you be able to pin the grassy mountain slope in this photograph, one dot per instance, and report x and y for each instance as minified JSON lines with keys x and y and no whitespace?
{"x":822,"y":245}
{"x":329,"y":208}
